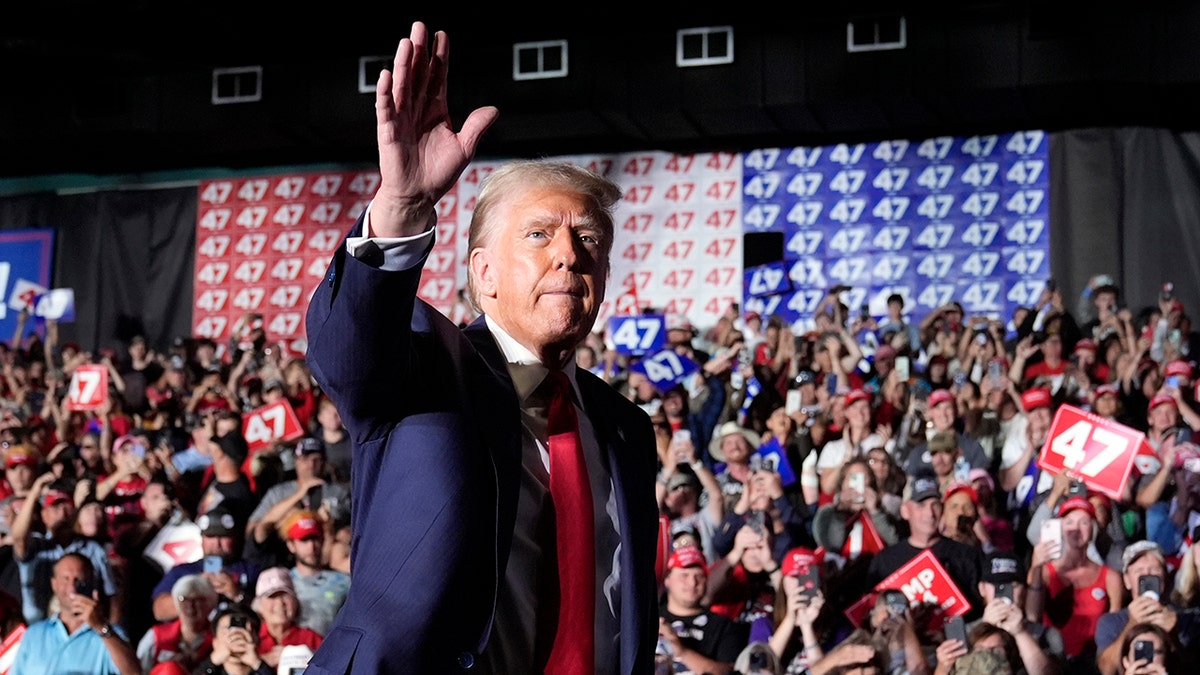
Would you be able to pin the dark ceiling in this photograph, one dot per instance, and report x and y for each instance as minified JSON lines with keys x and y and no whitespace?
{"x":128,"y":89}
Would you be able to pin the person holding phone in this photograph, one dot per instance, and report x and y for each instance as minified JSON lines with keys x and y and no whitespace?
{"x":682,"y":483}
{"x":79,"y":637}
{"x":858,"y":436}
{"x":1066,"y":588}
{"x":1147,"y":649}
{"x":1144,"y":574}
{"x":1002,"y":588}
{"x":858,"y":494}
{"x":235,"y":643}
{"x":797,"y":639}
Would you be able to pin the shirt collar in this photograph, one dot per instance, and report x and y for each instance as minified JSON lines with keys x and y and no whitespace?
{"x":524,"y":367}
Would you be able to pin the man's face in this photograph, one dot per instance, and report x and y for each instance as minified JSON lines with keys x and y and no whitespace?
{"x":309,"y":465}
{"x":943,"y":461}
{"x":329,"y":417}
{"x":307,"y":550}
{"x":20,"y":477}
{"x":735,"y":448}
{"x":942,"y":415}
{"x":686,"y":586}
{"x":66,"y":572}
{"x":1144,"y":565}
{"x":222,"y":546}
{"x":59,"y":514}
{"x":541,"y":276}
{"x":923,"y":517}
{"x":1164,"y":416}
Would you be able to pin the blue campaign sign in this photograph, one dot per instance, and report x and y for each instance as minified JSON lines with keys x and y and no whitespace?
{"x":637,"y":334}
{"x":27,"y":255}
{"x":769,"y":279}
{"x":774,"y":457}
{"x":666,"y":368}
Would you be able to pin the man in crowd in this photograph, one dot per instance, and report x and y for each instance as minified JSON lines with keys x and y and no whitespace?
{"x":922,"y":510}
{"x":308,"y":490}
{"x":79,"y":638}
{"x":320,"y":590}
{"x":222,"y":564}
{"x":699,"y":640}
{"x":1143,"y":560}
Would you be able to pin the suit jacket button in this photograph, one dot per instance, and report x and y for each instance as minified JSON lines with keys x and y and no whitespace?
{"x":466,"y":660}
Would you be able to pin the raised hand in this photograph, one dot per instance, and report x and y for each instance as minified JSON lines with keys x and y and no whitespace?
{"x":420,"y":155}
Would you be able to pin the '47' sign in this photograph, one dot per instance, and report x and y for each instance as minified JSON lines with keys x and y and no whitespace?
{"x":636,"y":335}
{"x":666,"y":368}
{"x":272,"y":422}
{"x":1096,"y":449}
{"x":89,"y":387}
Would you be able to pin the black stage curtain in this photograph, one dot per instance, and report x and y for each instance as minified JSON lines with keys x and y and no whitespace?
{"x":129,"y":255}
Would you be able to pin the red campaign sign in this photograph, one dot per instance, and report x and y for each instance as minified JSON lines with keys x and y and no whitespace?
{"x":861,"y":537}
{"x":1097,"y":450}
{"x":923,"y":580}
{"x":272,"y":422}
{"x":8,"y":649}
{"x":89,"y":387}
{"x":663,"y":549}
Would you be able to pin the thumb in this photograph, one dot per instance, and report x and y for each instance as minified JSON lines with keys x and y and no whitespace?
{"x":472,"y":129}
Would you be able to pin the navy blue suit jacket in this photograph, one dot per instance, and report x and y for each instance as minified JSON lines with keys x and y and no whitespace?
{"x":436,"y":470}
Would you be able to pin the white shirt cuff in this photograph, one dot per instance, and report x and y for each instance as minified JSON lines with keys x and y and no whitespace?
{"x":398,"y":253}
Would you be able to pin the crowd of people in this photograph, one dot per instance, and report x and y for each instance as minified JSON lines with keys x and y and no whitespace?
{"x":797,"y":473}
{"x":145,"y":533}
{"x":802,"y":471}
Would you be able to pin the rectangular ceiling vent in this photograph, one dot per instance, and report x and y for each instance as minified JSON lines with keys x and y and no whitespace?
{"x":709,"y":46}
{"x":368,"y":72}
{"x":874,"y":34}
{"x":237,"y":85}
{"x":540,"y":60}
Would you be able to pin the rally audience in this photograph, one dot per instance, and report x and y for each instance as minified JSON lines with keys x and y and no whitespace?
{"x":844,"y":445}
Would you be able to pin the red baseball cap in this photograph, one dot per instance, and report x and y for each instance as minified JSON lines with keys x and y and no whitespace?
{"x":1161,"y":399}
{"x":961,"y":487}
{"x":687,"y":556}
{"x":1076,"y":503}
{"x":1178,"y":367}
{"x":1035,"y":398}
{"x":20,"y":455}
{"x":857,"y":395}
{"x":940,"y":396}
{"x":304,"y":528}
{"x":798,"y":558}
{"x":1085,"y":344}
{"x":1109,"y":389}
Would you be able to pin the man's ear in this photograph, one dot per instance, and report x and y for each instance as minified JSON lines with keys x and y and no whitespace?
{"x":483,"y":271}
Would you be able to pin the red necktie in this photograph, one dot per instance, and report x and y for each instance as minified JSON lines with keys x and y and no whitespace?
{"x":574,"y":650}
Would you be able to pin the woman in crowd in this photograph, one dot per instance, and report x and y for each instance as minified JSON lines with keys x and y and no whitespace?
{"x":858,"y":494}
{"x":1067,"y":589}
